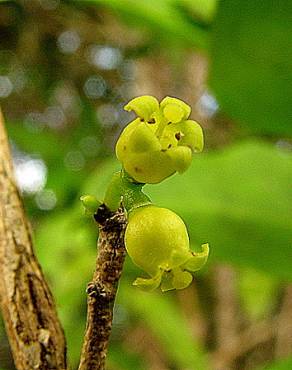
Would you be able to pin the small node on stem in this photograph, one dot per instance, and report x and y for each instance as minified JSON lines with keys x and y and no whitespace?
{"x":90,"y":204}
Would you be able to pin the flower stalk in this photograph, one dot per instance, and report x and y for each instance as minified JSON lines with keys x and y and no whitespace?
{"x":156,"y":145}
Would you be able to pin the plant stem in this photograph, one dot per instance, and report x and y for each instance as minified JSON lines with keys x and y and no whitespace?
{"x":122,"y":188}
{"x":103,"y":287}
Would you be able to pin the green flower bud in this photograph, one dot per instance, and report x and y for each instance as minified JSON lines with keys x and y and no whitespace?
{"x":90,"y":203}
{"x":160,"y":141}
{"x":157,"y":241}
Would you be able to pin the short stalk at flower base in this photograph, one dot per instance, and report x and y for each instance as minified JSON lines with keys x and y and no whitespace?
{"x":122,"y":189}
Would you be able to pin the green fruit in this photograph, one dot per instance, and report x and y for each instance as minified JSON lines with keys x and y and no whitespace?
{"x":152,"y":235}
{"x":157,"y":241}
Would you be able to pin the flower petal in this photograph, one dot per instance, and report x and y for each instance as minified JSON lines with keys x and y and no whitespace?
{"x":167,"y":283}
{"x":149,"y":167}
{"x":198,"y":260}
{"x":181,"y":158}
{"x":173,"y":113}
{"x":122,"y":143}
{"x":191,"y":134}
{"x":179,"y":257}
{"x":181,"y":279}
{"x":143,"y":139}
{"x":143,"y":106}
{"x":149,"y":284}
{"x":175,"y":110}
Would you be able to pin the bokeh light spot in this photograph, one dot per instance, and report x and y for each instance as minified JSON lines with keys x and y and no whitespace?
{"x":207,"y":105}
{"x":34,"y":122}
{"x":74,"y":160}
{"x":105,"y":57}
{"x":6,"y":86}
{"x":55,"y":117}
{"x":107,"y":114}
{"x":18,"y":79}
{"x":94,"y":87}
{"x":46,"y":199}
{"x":69,"y":42}
{"x":90,"y":146}
{"x":30,"y":174}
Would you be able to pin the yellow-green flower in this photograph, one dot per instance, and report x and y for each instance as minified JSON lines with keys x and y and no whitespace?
{"x":157,"y":241}
{"x":160,"y":141}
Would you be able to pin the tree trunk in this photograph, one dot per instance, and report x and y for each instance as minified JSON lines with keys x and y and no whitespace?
{"x":34,"y":331}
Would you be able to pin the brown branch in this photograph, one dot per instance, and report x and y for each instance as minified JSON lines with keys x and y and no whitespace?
{"x":34,"y":331}
{"x":226,"y":313}
{"x":102,"y":290}
{"x":258,"y":333}
{"x":283,"y":346}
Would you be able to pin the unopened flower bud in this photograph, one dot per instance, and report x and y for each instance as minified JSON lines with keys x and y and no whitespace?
{"x":160,"y":141}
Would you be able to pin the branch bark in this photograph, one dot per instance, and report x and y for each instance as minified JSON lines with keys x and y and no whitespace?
{"x":34,"y":331}
{"x":283,"y":345}
{"x":102,"y":290}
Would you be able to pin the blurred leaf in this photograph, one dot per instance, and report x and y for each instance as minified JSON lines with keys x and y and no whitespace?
{"x":45,"y":143}
{"x":239,"y":200}
{"x":121,"y":359}
{"x":258,"y":292}
{"x":279,"y":365}
{"x":66,"y":248}
{"x":203,"y":8}
{"x":159,"y":16}
{"x":166,"y":322}
{"x":251,"y":63}
{"x":97,"y":182}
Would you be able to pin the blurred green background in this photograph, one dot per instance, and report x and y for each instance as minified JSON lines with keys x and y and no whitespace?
{"x":66,"y":70}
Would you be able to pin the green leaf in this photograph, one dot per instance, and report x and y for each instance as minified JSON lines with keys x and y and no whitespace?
{"x":99,"y":179}
{"x":122,"y":358}
{"x":159,"y":16}
{"x":240,"y":201}
{"x":251,"y":64}
{"x":45,"y":143}
{"x":258,"y":293}
{"x":204,"y":9}
{"x":163,"y":317}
